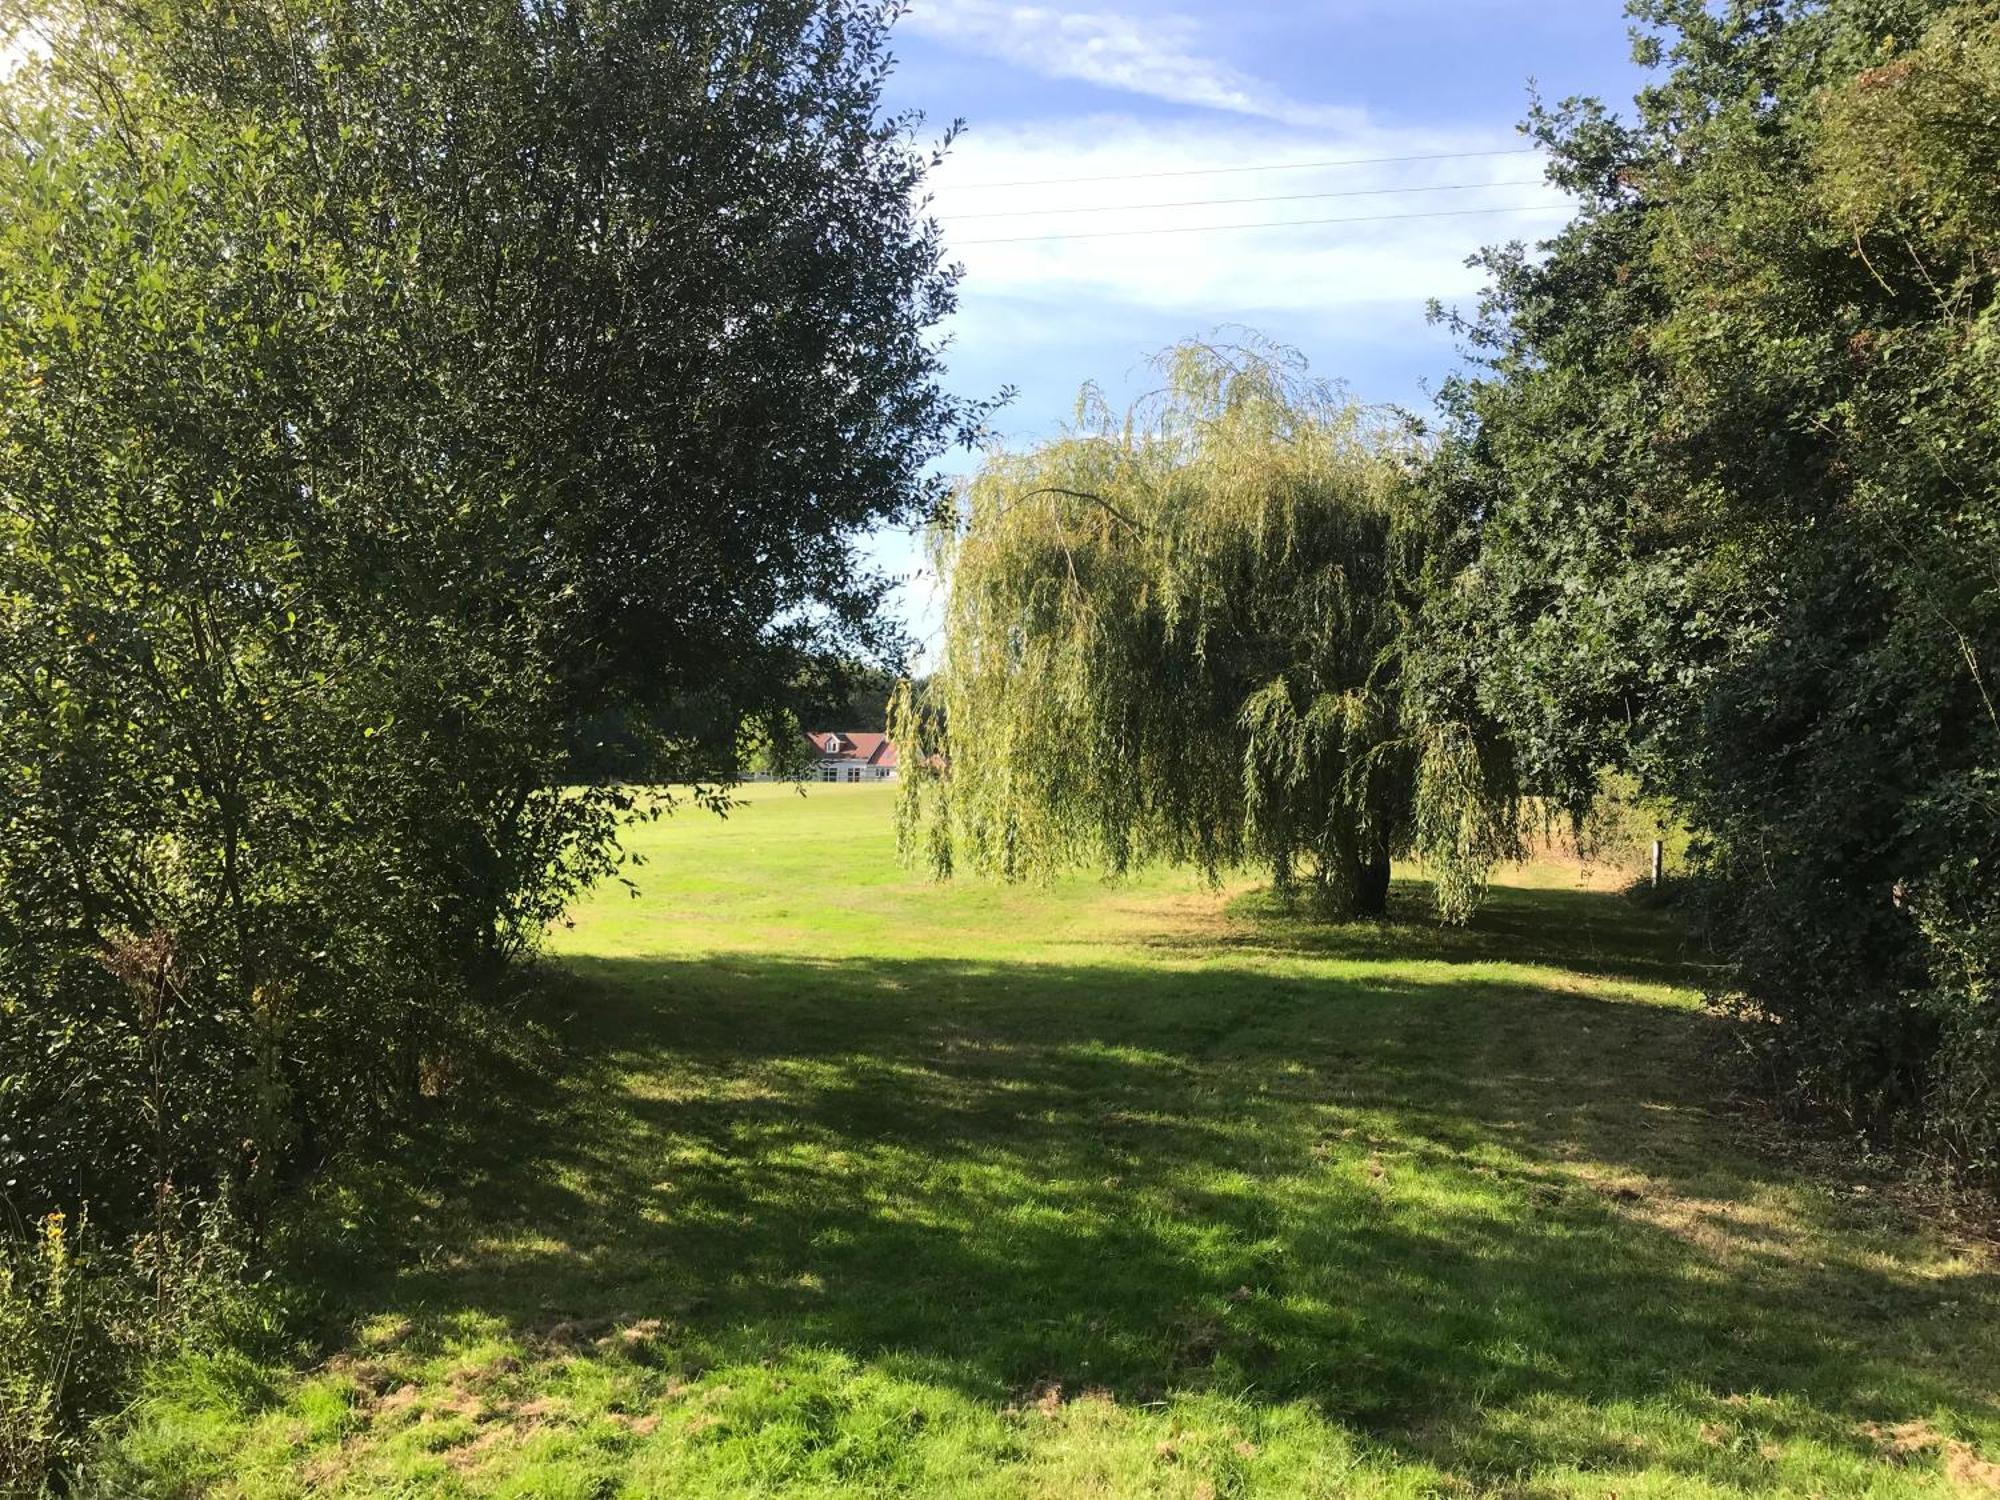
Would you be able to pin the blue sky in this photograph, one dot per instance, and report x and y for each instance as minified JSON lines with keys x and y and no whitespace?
{"x":1142,"y":97}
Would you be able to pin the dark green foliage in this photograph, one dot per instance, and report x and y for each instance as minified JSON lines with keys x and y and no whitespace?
{"x":866,"y":705}
{"x":394,"y":393}
{"x":1183,"y":635}
{"x":1733,"y":467}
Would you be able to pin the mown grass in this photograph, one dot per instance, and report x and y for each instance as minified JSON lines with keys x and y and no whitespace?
{"x":851,"y":1185}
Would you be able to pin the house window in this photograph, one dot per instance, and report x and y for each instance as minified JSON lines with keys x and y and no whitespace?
{"x":829,"y":773}
{"x":854,"y":773}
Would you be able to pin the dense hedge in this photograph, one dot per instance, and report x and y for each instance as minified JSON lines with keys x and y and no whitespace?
{"x":396,"y":396}
{"x":1734,"y":466}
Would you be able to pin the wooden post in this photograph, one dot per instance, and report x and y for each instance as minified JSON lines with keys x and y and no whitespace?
{"x":1659,"y":861}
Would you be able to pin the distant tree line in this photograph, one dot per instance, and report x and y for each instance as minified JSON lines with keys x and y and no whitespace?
{"x":1717,"y":508}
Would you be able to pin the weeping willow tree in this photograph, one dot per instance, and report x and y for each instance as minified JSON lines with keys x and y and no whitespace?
{"x":1186,"y":635}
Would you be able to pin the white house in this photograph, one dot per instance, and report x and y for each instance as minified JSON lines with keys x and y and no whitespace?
{"x":839,"y":756}
{"x":836,"y":755}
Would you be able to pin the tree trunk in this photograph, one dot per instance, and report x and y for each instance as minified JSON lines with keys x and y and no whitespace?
{"x":1371,"y":884}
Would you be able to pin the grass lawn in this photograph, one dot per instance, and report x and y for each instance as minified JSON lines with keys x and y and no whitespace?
{"x":852,"y":1185}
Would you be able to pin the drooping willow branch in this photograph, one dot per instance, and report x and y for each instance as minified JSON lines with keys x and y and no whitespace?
{"x":1223,"y":677}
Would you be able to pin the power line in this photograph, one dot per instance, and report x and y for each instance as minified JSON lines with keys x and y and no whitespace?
{"x":1105,"y":208}
{"x":1282,"y":166}
{"x":1110,"y":234}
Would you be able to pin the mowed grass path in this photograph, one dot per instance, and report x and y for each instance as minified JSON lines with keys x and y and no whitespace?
{"x":852,"y":1185}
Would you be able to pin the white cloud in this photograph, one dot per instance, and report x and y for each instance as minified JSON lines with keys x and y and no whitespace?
{"x":1409,"y":224}
{"x":1160,"y":57}
{"x":1043,"y":313}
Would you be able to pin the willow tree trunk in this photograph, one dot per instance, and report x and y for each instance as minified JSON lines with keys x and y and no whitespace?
{"x":1371,"y":883}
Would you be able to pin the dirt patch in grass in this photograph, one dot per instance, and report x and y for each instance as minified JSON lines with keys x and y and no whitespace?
{"x":1720,"y":1228}
{"x":398,"y":1401}
{"x":1969,"y":1471}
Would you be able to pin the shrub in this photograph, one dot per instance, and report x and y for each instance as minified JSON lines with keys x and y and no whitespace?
{"x":1732,"y":467}
{"x":77,"y":1318}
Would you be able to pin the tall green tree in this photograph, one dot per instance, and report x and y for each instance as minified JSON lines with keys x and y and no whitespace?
{"x":1731,"y":465}
{"x":390,"y":392}
{"x":1183,"y":634}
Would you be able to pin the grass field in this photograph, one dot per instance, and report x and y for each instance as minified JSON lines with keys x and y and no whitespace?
{"x":851,"y":1185}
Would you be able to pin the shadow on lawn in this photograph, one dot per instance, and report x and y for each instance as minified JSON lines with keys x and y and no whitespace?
{"x":1359,"y":1194}
{"x":1595,"y":933}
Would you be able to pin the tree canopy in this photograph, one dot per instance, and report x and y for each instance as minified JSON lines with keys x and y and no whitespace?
{"x":1714,"y":508}
{"x":1184,"y":634}
{"x":1731,"y":462}
{"x":392,"y":392}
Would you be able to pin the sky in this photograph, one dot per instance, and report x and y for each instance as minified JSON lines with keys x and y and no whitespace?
{"x":1095,"y":119}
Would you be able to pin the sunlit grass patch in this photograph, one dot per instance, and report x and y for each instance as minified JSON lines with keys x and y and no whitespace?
{"x":1114,"y":1191}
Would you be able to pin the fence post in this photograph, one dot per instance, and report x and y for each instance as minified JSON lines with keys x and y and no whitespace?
{"x":1659,"y":861}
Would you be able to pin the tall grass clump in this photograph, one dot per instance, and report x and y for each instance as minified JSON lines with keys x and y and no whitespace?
{"x":82,"y":1314}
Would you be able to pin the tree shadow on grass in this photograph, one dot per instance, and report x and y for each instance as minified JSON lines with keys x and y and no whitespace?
{"x":1600,"y":934}
{"x":1424,"y":1209}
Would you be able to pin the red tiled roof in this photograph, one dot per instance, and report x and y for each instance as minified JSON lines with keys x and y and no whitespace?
{"x":857,"y":748}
